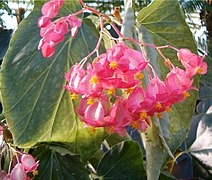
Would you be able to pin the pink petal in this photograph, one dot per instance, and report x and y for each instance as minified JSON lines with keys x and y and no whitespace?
{"x":18,"y":173}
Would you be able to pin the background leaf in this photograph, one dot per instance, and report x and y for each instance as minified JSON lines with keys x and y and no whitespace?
{"x":35,"y":104}
{"x":162,"y":23}
{"x":122,"y":161}
{"x":55,"y":166}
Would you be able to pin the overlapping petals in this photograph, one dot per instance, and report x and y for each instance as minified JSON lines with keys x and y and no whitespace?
{"x":53,"y":33}
{"x":113,"y":95}
{"x":192,"y":62}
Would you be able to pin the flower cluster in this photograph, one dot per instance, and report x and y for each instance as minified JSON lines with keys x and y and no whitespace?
{"x":111,"y":89}
{"x":113,"y":95}
{"x":26,"y":165}
{"x":53,"y":33}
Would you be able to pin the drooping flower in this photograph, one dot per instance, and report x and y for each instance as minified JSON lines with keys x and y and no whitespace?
{"x":74,"y":78}
{"x":192,"y":62}
{"x":29,"y":162}
{"x":75,"y":24}
{"x":18,"y":172}
{"x":54,"y":32}
{"x":51,"y":8}
{"x":178,"y":84}
{"x":95,"y":112}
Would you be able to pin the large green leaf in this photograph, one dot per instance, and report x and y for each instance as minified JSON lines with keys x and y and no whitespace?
{"x":201,"y":149}
{"x":162,"y":23}
{"x":37,"y":107}
{"x":56,"y":166}
{"x":122,"y":161}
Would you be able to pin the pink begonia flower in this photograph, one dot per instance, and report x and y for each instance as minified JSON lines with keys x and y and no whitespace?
{"x":140,"y":125}
{"x":89,"y":88}
{"x":29,"y":162}
{"x":54,"y":32}
{"x":43,"y":22}
{"x":51,"y":8}
{"x":177,"y":83}
{"x":127,"y":80}
{"x":95,"y":114}
{"x":47,"y":50}
{"x":115,"y":58}
{"x":192,"y":62}
{"x":135,"y":98}
{"x":74,"y":24}
{"x":18,"y":172}
{"x":74,"y":78}
{"x":157,"y":91}
{"x":119,"y":114}
{"x":137,"y":61}
{"x":61,"y":26}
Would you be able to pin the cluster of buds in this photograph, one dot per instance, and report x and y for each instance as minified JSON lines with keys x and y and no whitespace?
{"x":53,"y":32}
{"x":111,"y":89}
{"x":26,"y":165}
{"x":21,"y":166}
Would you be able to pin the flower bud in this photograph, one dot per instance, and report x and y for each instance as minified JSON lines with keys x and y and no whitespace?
{"x":29,"y":162}
{"x":18,"y":172}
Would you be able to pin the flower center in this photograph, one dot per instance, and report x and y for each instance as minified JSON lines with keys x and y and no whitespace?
{"x":129,"y":90}
{"x":111,"y":91}
{"x":168,"y":109}
{"x":159,"y":115}
{"x":74,"y":96}
{"x":158,"y":106}
{"x":139,"y":76}
{"x":143,"y":115}
{"x":199,"y":71}
{"x":186,"y":94}
{"x":94,"y":80}
{"x":113,"y":65}
{"x":90,"y":101}
{"x":135,"y":125}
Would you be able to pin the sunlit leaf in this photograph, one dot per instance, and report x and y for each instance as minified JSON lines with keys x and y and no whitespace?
{"x":36,"y":106}
{"x":161,"y":23}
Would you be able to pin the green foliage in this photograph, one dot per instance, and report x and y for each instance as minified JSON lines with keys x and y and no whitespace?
{"x":55,"y":165}
{"x":163,"y":24}
{"x":122,"y":161}
{"x":39,"y":110}
{"x":37,"y":107}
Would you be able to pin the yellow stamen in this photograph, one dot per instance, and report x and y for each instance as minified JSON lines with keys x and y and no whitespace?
{"x":111,"y":130}
{"x":93,"y":130}
{"x":111,"y":91}
{"x":135,"y":125}
{"x":186,"y":94}
{"x":35,"y":172}
{"x":129,"y":90}
{"x":168,"y":109}
{"x":199,"y":71}
{"x":74,"y":96}
{"x":96,"y":59}
{"x":113,"y":65}
{"x":143,"y":115}
{"x":94,"y":80}
{"x":158,"y":106}
{"x":159,"y":115}
{"x":90,"y":101}
{"x":139,"y":76}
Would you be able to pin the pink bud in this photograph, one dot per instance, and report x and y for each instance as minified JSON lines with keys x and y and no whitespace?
{"x":47,"y":50}
{"x":43,"y":21}
{"x":18,"y":173}
{"x":29,"y":162}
